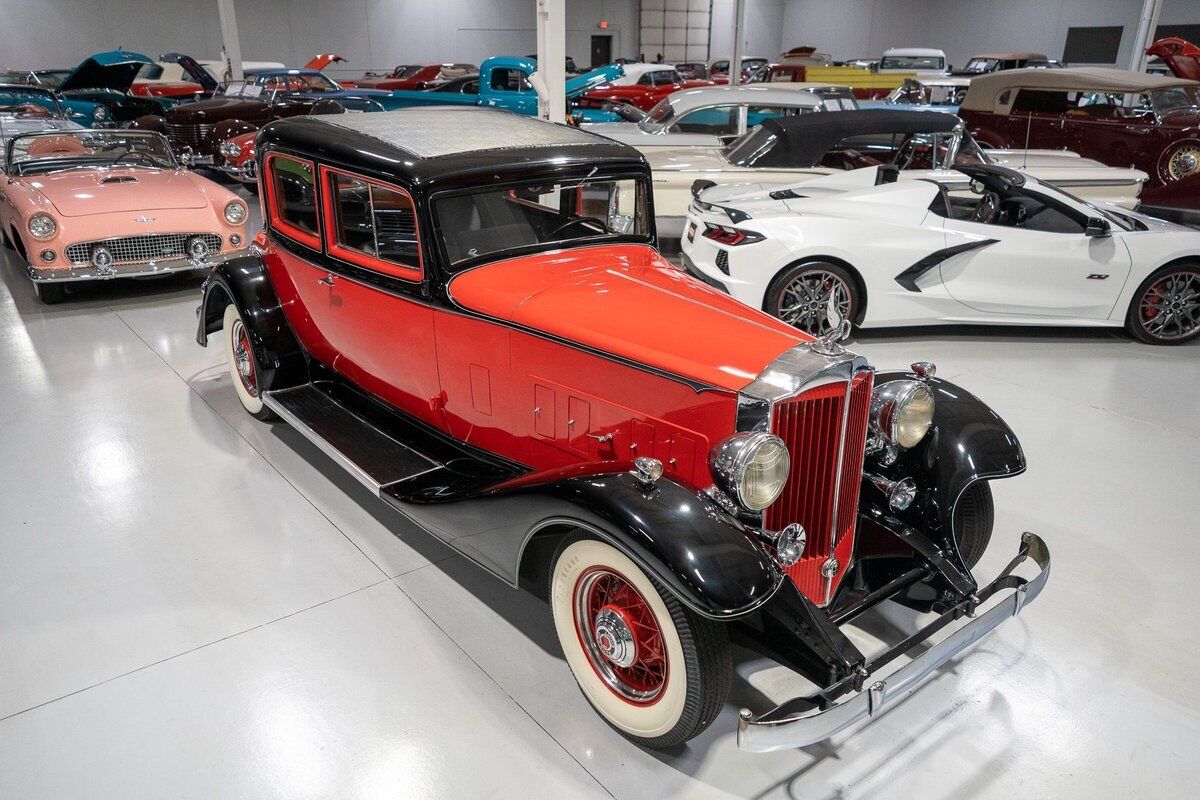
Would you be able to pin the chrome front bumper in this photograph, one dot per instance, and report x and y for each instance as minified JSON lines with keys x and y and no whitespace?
{"x":141,"y":269}
{"x":783,"y":728}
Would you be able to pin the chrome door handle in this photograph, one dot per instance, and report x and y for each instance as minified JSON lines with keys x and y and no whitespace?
{"x":326,"y":281}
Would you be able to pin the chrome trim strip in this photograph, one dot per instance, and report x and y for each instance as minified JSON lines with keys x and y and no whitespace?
{"x":764,"y":734}
{"x":87,"y":272}
{"x":837,"y":487}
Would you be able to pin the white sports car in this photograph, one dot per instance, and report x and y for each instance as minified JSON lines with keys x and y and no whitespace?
{"x":861,"y":246}
{"x":923,"y":144}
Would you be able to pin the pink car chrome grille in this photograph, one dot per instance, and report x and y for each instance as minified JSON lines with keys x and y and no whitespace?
{"x":825,"y":438}
{"x":141,"y":249}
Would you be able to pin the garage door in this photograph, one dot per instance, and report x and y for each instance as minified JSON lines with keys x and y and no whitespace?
{"x":676,"y":28}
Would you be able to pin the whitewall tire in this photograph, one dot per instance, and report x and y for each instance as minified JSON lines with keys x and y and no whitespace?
{"x":652,"y":668}
{"x":243,"y":368}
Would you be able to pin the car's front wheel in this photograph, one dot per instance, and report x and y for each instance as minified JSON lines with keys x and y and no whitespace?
{"x":1166,"y":308}
{"x":652,"y":668}
{"x":243,"y":368}
{"x":814,"y":296}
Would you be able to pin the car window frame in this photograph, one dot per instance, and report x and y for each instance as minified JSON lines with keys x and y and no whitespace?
{"x":280,"y":225}
{"x":358,"y":258}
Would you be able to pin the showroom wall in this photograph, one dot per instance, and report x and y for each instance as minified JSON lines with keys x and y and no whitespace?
{"x":371,"y":33}
{"x":860,"y":28}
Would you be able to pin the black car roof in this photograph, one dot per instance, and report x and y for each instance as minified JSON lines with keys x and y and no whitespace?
{"x":427,"y":144}
{"x":806,"y":138}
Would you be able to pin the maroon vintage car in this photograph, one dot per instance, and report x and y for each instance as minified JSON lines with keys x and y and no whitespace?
{"x":465,"y":309}
{"x":1118,"y":117}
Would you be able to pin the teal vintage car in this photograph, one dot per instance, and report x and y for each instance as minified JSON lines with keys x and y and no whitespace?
{"x":503,"y":82}
{"x":96,"y":93}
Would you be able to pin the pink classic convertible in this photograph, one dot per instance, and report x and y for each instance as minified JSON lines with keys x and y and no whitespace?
{"x":95,"y":204}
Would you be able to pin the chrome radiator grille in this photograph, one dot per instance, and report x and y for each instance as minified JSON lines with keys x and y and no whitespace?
{"x":192,"y":135}
{"x":825,"y":430}
{"x":140,"y":249}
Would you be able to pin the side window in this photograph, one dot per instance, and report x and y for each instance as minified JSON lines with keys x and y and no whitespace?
{"x":646,"y":80}
{"x":756,"y":114}
{"x":719,"y":121}
{"x":372,"y":225}
{"x":510,"y":80}
{"x":1041,"y":101}
{"x":1005,"y":97}
{"x":293,"y":199}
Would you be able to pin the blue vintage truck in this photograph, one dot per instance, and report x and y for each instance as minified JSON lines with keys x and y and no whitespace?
{"x":503,"y":82}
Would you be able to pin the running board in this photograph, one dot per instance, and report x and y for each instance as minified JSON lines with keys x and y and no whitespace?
{"x":374,"y":458}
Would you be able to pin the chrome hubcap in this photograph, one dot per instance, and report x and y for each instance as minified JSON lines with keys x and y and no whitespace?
{"x":614,"y":637}
{"x":1170,"y":308}
{"x":815,"y":302}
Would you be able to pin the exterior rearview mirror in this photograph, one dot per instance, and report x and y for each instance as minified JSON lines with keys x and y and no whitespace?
{"x":1097,"y":227}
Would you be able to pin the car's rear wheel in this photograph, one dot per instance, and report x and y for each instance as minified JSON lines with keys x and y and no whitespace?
{"x":243,"y":367}
{"x":814,"y":296}
{"x":51,"y":293}
{"x":974,"y":518}
{"x":1166,"y":308}
{"x":653,"y":669}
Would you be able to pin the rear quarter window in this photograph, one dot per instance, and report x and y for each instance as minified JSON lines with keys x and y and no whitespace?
{"x":292,"y":199}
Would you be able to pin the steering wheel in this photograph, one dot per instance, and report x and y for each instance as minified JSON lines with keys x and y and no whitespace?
{"x":576,"y":221}
{"x":134,"y":154}
{"x":988,"y":209}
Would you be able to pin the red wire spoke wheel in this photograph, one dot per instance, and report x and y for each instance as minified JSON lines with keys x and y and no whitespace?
{"x":653,"y":668}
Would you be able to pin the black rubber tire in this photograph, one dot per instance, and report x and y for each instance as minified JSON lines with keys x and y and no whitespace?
{"x":974,"y":518}
{"x":8,"y":245}
{"x":775,"y":291}
{"x":708,"y":663}
{"x":51,"y":293}
{"x":1133,"y":324}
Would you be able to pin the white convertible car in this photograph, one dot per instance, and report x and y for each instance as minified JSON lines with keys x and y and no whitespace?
{"x":865,"y":248}
{"x":712,"y":116}
{"x":923,"y":144}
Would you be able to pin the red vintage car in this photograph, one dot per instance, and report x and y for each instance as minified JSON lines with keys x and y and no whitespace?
{"x":413,"y":76}
{"x":642,"y":85}
{"x":1117,"y":117}
{"x":465,"y":309}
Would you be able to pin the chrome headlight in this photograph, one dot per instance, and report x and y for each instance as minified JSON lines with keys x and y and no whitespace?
{"x":902,"y":411}
{"x":752,"y":468}
{"x":42,"y":226}
{"x":235,"y":212}
{"x":99,"y":113}
{"x":230,"y":149}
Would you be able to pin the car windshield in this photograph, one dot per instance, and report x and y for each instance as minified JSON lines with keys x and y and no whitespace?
{"x":659,"y":116}
{"x":306,"y":82}
{"x":51,"y":78}
{"x":241,"y":89}
{"x":912,"y":62}
{"x":87,"y":149}
{"x":406,"y":70}
{"x":979,"y":65}
{"x":491,"y":221}
{"x":31,"y":103}
{"x":927,"y":94}
{"x":1176,"y":98}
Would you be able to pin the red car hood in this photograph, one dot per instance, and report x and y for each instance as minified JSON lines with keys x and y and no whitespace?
{"x":626,"y":300}
{"x":82,"y":192}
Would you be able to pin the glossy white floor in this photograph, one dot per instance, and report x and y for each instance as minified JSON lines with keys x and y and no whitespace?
{"x":196,"y":604}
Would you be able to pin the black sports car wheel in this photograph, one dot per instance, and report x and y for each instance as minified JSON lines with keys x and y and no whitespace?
{"x":814,"y":297}
{"x":1166,"y":308}
{"x":653,"y":669}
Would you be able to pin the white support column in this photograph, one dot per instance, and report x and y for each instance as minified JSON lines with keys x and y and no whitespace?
{"x":1151,"y":9}
{"x":229,"y":40}
{"x":551,"y":77}
{"x":739,"y":25}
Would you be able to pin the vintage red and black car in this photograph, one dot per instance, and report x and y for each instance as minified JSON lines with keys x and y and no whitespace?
{"x":642,"y":86}
{"x":1117,"y":117}
{"x":465,"y":309}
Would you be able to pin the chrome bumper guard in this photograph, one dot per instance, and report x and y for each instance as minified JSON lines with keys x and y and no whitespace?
{"x":783,"y":728}
{"x":140,"y":269}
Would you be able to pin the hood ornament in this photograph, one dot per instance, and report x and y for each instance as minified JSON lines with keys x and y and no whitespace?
{"x":143,"y":218}
{"x":839,"y":329}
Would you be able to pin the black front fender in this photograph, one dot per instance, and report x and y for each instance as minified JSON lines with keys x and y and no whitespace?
{"x":244,"y":282}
